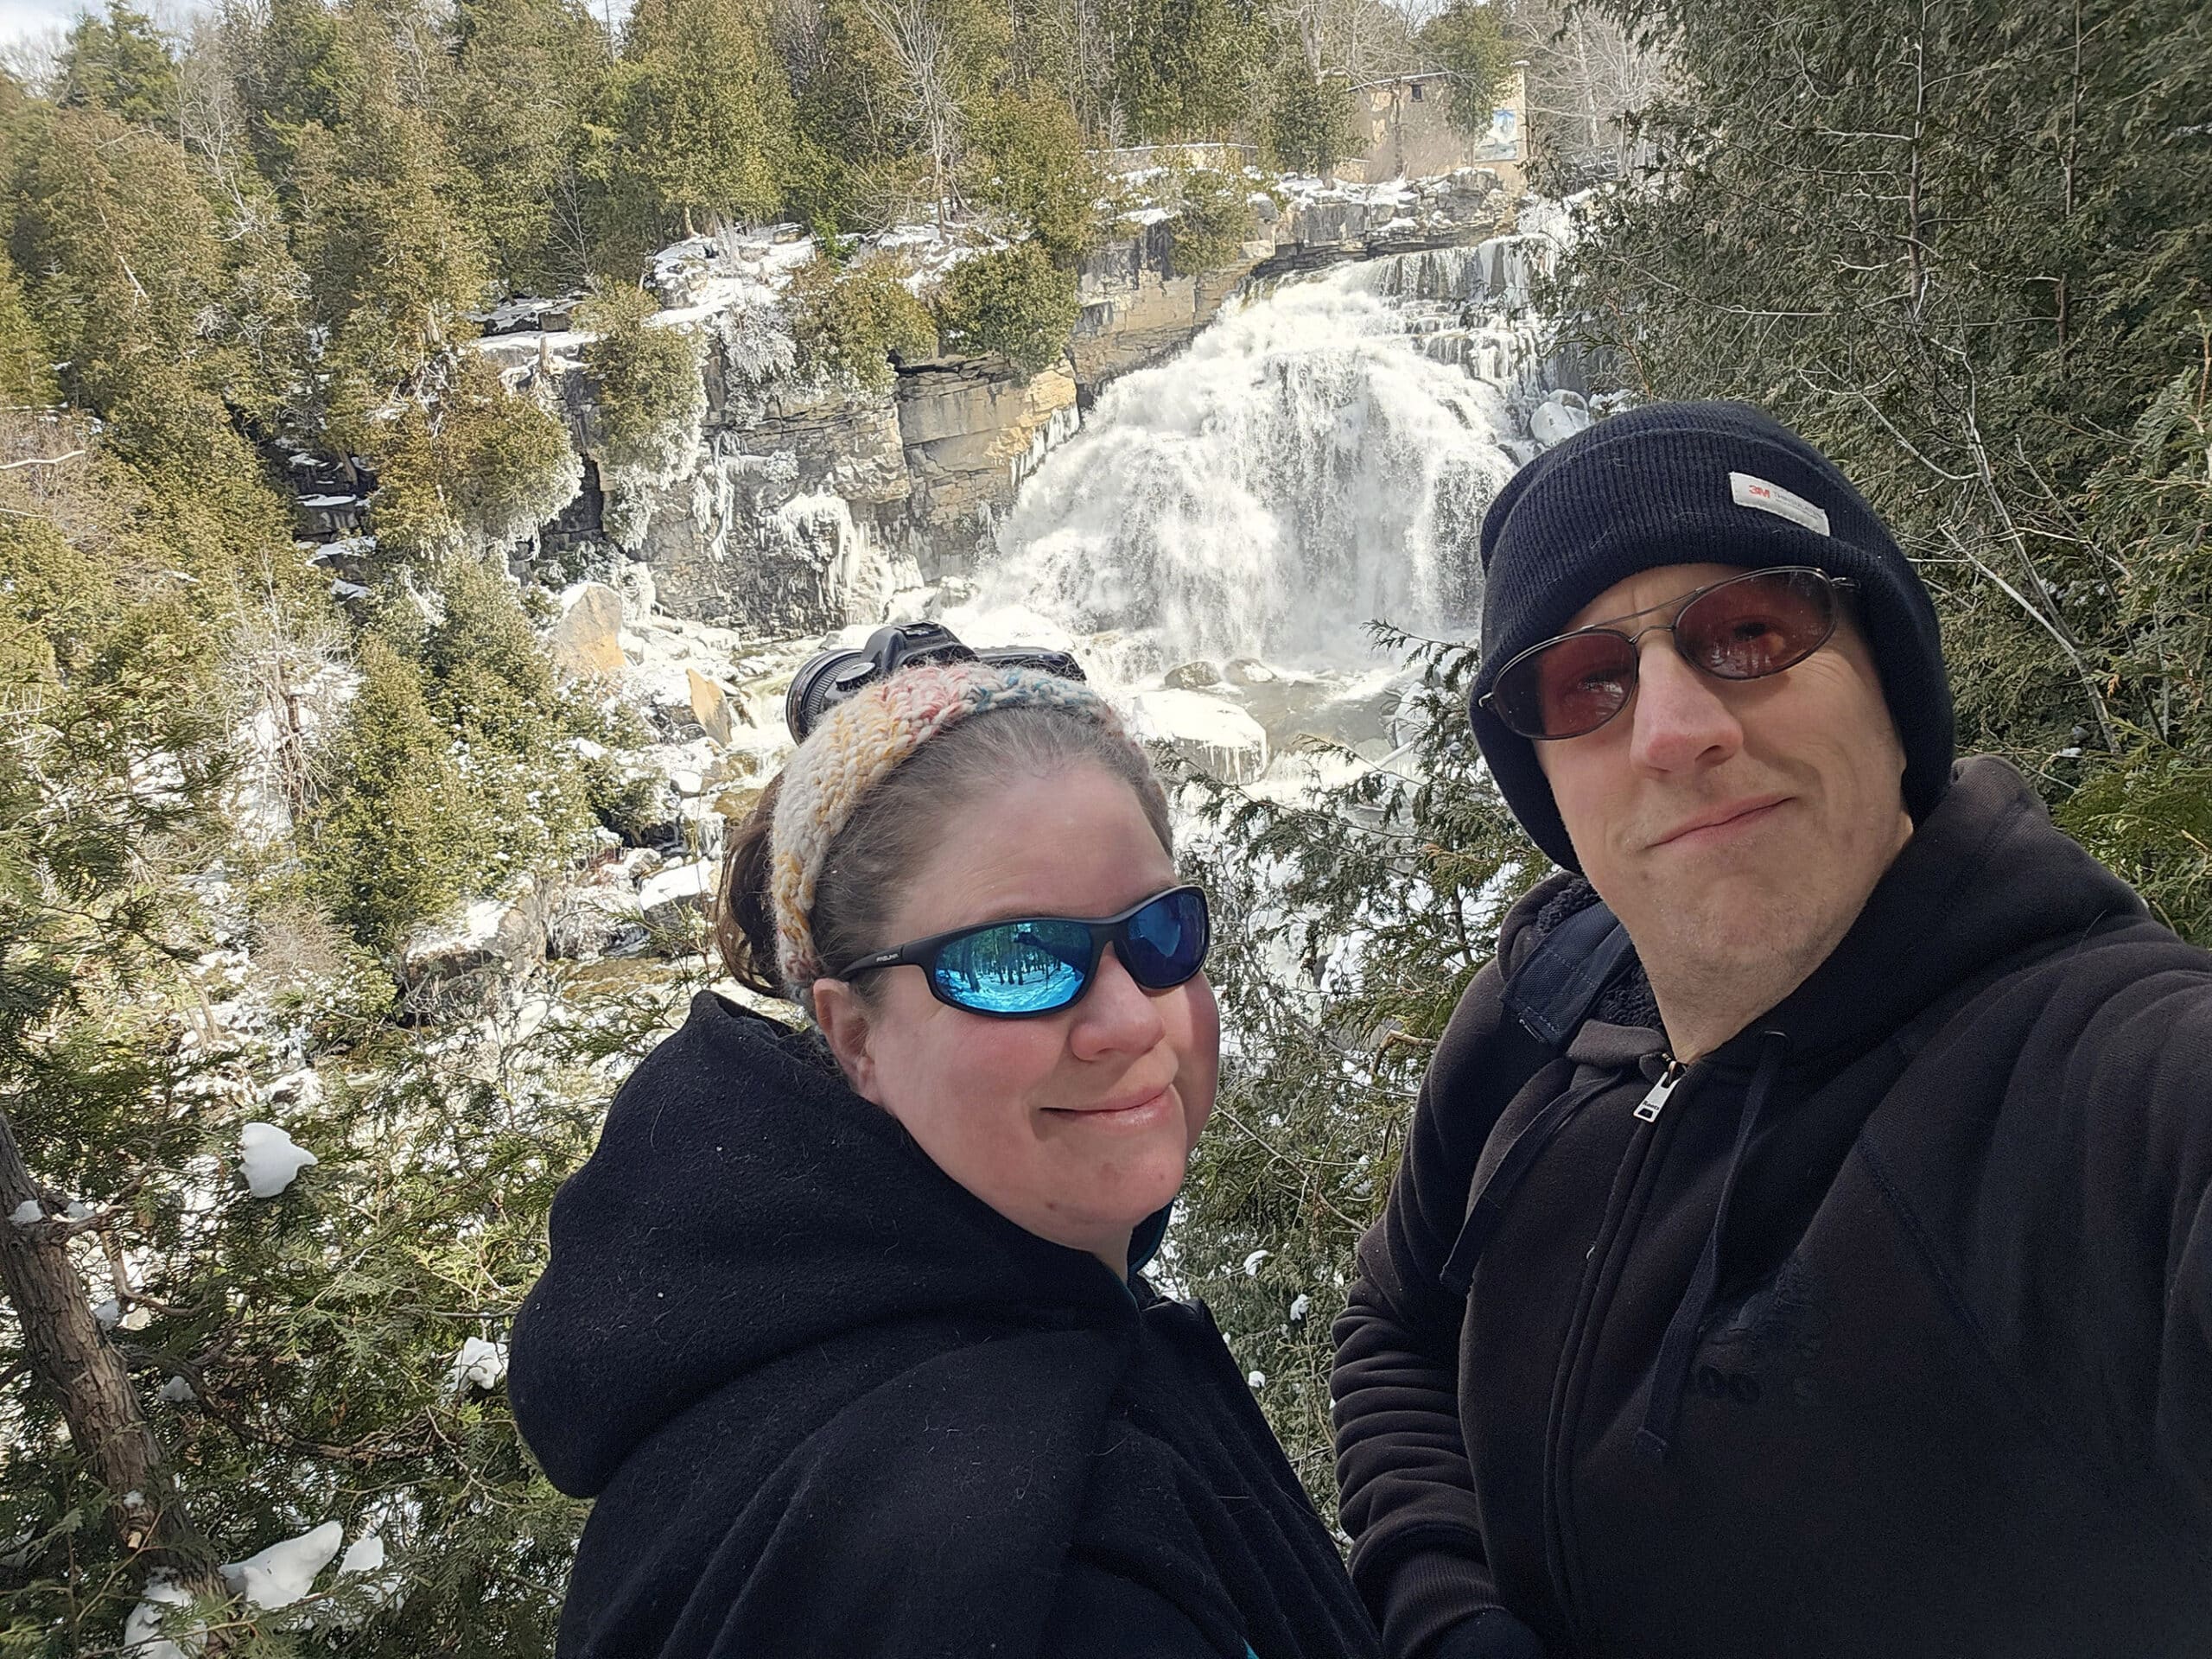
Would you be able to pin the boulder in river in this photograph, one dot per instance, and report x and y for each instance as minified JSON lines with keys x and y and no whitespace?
{"x":1211,"y":733}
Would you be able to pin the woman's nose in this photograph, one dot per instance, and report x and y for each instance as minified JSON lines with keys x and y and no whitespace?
{"x":1116,"y":1014}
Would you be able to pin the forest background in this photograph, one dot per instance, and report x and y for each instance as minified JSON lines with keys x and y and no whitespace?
{"x":1964,"y":247}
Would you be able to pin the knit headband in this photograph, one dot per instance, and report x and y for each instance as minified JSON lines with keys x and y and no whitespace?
{"x":861,"y":743}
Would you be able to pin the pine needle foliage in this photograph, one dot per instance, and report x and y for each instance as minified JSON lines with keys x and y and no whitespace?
{"x":1347,"y":927}
{"x":857,"y":326}
{"x":646,"y":387}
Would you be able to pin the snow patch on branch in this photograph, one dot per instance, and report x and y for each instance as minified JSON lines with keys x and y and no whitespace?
{"x":271,"y":1159}
{"x":284,"y":1572}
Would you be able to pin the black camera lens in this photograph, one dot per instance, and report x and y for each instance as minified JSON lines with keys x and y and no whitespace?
{"x":826,"y":679}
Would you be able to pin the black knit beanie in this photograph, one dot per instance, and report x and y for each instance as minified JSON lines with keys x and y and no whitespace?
{"x":1694,"y":484}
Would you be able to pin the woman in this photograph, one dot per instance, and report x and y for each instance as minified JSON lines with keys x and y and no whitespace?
{"x":845,"y":1328}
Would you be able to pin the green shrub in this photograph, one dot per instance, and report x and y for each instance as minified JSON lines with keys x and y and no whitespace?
{"x":1025,"y":158}
{"x":645,"y":381}
{"x":1014,"y":301}
{"x":477,"y":468}
{"x":457,"y":767}
{"x":854,"y":325}
{"x":1215,"y":220}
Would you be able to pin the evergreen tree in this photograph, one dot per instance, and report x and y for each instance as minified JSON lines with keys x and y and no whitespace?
{"x":856,"y":326}
{"x":393,"y":261}
{"x":473,"y":468}
{"x":646,"y":387}
{"x":701,"y":118}
{"x":1466,"y":43}
{"x":1026,"y":160}
{"x":526,"y":73}
{"x":117,"y":63}
{"x":1014,"y":302}
{"x":1178,"y":67}
{"x":1347,"y":927}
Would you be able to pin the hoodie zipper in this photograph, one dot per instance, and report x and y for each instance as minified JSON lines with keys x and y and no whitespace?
{"x":1624,"y":1213}
{"x":1661,"y":1091}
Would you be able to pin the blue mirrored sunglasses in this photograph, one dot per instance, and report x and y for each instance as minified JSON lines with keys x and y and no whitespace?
{"x":1036,"y":965}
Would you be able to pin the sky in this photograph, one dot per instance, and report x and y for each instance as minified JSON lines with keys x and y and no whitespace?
{"x":28,"y":22}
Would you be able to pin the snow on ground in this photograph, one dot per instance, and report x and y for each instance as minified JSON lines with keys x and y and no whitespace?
{"x":704,"y":275}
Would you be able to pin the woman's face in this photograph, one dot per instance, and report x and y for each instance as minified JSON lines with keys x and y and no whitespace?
{"x":1076,"y":1124}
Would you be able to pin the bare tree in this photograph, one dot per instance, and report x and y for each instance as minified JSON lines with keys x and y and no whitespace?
{"x":924,"y":49}
{"x":1585,"y":74}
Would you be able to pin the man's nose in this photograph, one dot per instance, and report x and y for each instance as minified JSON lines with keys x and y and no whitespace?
{"x":1682,"y":717}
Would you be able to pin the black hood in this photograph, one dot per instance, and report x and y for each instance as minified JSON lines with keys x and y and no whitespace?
{"x":701,"y":1243}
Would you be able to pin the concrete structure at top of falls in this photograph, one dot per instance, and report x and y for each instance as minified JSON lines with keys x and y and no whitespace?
{"x":800,"y":505}
{"x":1318,"y":459}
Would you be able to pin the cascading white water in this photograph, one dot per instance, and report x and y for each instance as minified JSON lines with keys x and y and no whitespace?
{"x":1319,"y":457}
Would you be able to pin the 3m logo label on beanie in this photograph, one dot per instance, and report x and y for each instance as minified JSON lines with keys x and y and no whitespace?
{"x":1752,"y":492}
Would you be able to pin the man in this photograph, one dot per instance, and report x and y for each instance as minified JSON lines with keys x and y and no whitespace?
{"x":1831,"y":1273}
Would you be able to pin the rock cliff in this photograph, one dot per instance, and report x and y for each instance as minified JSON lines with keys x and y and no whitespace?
{"x":805,"y":506}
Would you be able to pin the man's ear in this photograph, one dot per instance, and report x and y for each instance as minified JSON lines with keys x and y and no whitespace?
{"x":843,"y":1018}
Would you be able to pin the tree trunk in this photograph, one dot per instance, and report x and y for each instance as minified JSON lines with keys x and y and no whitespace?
{"x":73,"y":1361}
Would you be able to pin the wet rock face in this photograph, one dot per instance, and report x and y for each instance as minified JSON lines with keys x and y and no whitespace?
{"x":972,"y":431}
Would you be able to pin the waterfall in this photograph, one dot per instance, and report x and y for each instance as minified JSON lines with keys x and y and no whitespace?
{"x":1319,"y":457}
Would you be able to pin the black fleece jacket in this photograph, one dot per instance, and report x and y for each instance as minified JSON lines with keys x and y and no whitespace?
{"x":831,"y":1404}
{"x":1947,"y":1386}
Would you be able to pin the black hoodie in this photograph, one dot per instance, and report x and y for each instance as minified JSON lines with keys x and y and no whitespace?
{"x":832,"y":1404}
{"x":1933,"y":1242}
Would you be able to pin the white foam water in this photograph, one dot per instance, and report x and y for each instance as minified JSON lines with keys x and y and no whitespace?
{"x":1319,"y":457}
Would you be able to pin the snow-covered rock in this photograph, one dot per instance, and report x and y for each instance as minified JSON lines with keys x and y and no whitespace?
{"x":284,"y":1572}
{"x":506,"y":932}
{"x":1558,"y":419}
{"x":594,"y":921}
{"x":269,"y":1158}
{"x":1211,"y":733}
{"x":671,"y":899}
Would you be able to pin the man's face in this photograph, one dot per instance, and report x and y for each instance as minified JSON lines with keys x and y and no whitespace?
{"x":1732,"y":825}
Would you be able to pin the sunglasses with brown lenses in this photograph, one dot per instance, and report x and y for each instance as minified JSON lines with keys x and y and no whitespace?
{"x":1743,"y":628}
